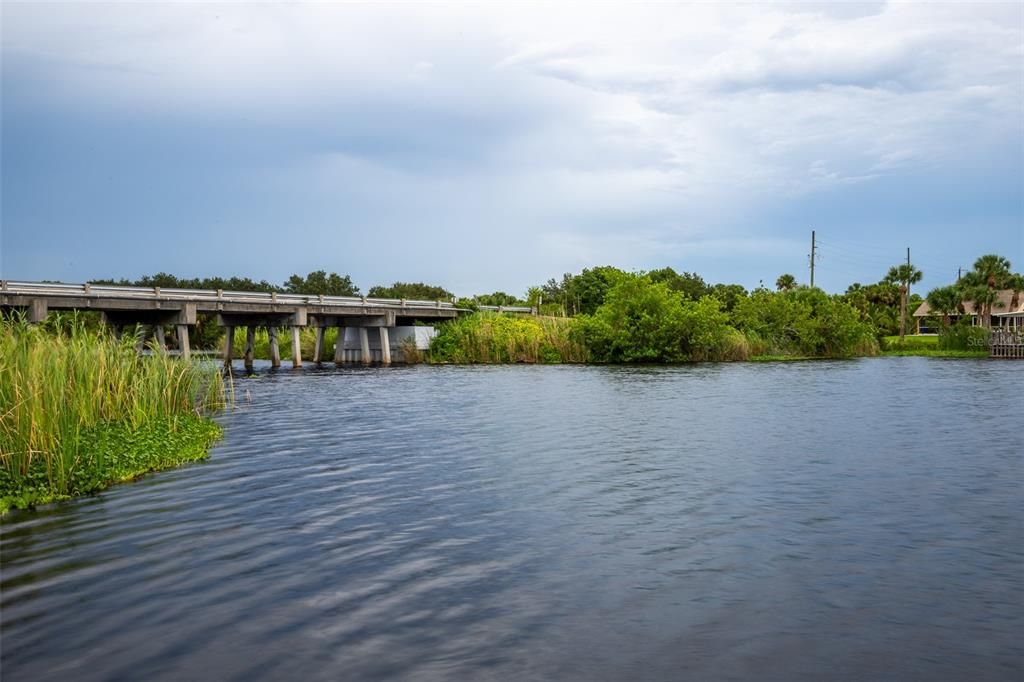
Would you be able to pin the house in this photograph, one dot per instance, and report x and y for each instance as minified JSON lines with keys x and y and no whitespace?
{"x":1007,"y":313}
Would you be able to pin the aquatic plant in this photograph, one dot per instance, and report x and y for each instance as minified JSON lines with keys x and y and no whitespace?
{"x":488,"y":337}
{"x":64,"y":386}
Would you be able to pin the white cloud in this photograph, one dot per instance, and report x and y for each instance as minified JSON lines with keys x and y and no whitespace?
{"x":570,"y":124}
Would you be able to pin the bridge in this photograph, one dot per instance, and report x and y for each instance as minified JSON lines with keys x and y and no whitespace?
{"x":178,"y":309}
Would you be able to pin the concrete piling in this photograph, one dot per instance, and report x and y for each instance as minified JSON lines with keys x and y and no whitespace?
{"x":296,"y":348}
{"x":250,"y":346}
{"x":385,"y":346}
{"x":339,"y":347}
{"x":229,"y":341}
{"x":186,"y":351}
{"x":364,"y":345}
{"x":275,"y":350}
{"x":318,"y":353}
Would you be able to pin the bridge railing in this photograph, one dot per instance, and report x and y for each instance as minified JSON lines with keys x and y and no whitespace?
{"x":171,"y":294}
{"x":507,"y":308}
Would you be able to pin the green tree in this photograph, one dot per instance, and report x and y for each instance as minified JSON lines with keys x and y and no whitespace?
{"x":981,"y":286}
{"x":498,"y":298}
{"x":412,"y":290}
{"x":690,"y":284}
{"x":319,"y":283}
{"x":804,"y":321}
{"x":1016,"y":283}
{"x":587,"y":290}
{"x":645,"y":321}
{"x":785,"y":282}
{"x":944,"y":302}
{"x":728,"y":294}
{"x":906,"y":274}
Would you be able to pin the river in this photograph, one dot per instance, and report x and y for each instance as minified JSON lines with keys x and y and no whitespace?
{"x":844,"y":520}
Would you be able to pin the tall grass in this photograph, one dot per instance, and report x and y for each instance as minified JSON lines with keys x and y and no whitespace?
{"x":59,"y":385}
{"x":489,"y":337}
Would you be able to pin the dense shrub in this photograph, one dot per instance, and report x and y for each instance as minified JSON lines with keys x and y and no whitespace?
{"x":962,"y":336}
{"x":805,"y":322}
{"x":645,"y":321}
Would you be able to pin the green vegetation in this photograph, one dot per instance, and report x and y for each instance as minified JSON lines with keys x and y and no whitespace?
{"x":319,"y":283}
{"x":643,"y":320}
{"x":80,"y":411}
{"x":487,"y":337}
{"x":905,"y":275}
{"x":417,"y":291}
{"x":609,"y":315}
{"x":893,"y":343}
{"x":937,"y":353}
{"x":803,"y":322}
{"x":980,"y":287}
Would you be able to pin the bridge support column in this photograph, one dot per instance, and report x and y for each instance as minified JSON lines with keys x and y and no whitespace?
{"x":183,"y":346}
{"x":229,"y":342}
{"x":250,"y":346}
{"x":37,"y":310}
{"x":364,"y":345}
{"x":318,"y":352}
{"x":296,"y":348}
{"x":385,"y":346}
{"x":161,"y":340}
{"x":275,"y":350}
{"x":339,"y":347}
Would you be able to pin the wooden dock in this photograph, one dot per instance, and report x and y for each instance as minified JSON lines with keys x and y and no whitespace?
{"x":1007,"y":343}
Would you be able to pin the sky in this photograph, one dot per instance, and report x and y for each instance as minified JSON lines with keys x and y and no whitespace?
{"x":492,"y":147}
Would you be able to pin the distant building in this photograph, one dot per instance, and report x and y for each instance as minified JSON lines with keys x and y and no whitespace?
{"x":1007,"y":313}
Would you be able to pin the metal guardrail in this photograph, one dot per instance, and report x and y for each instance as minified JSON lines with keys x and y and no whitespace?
{"x":161,"y":294}
{"x":507,"y":308}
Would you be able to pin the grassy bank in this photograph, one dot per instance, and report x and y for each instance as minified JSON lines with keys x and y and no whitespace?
{"x":80,"y":411}
{"x":956,"y":343}
{"x":488,"y":337}
{"x":936,"y":353}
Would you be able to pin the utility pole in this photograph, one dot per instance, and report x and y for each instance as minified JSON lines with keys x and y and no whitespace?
{"x":812,"y":258}
{"x":904,"y":298}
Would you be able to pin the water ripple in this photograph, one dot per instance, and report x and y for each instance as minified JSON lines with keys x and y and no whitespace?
{"x":847,"y":520}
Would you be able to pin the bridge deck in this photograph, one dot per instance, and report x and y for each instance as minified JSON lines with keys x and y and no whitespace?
{"x":116,"y":298}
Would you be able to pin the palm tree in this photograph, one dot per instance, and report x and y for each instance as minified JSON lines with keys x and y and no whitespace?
{"x":944,"y":301}
{"x":993,"y":270}
{"x":785,"y":282}
{"x":906,"y":275}
{"x":981,"y":286}
{"x":1015,"y":282}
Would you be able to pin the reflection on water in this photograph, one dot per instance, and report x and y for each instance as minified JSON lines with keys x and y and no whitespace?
{"x":846,"y":520}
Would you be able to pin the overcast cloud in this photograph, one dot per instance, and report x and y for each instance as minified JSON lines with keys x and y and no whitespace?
{"x":493,"y":147}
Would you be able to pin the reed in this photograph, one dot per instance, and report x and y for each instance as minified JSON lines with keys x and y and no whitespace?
{"x":61,"y":386}
{"x":488,"y":337}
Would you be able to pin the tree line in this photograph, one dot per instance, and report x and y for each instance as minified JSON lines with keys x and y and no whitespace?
{"x":665,"y":315}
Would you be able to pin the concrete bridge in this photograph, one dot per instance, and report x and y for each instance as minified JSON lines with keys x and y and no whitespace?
{"x":178,"y":309}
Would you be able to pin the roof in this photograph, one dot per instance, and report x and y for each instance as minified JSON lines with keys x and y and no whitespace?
{"x":1005,"y":298}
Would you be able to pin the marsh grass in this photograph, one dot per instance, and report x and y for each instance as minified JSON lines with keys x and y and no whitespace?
{"x":63,"y":385}
{"x":489,"y":338}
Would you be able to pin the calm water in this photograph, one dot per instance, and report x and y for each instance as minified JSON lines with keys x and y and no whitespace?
{"x":858,"y":520}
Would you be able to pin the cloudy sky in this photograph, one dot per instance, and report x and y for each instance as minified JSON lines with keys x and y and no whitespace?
{"x":493,"y":147}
